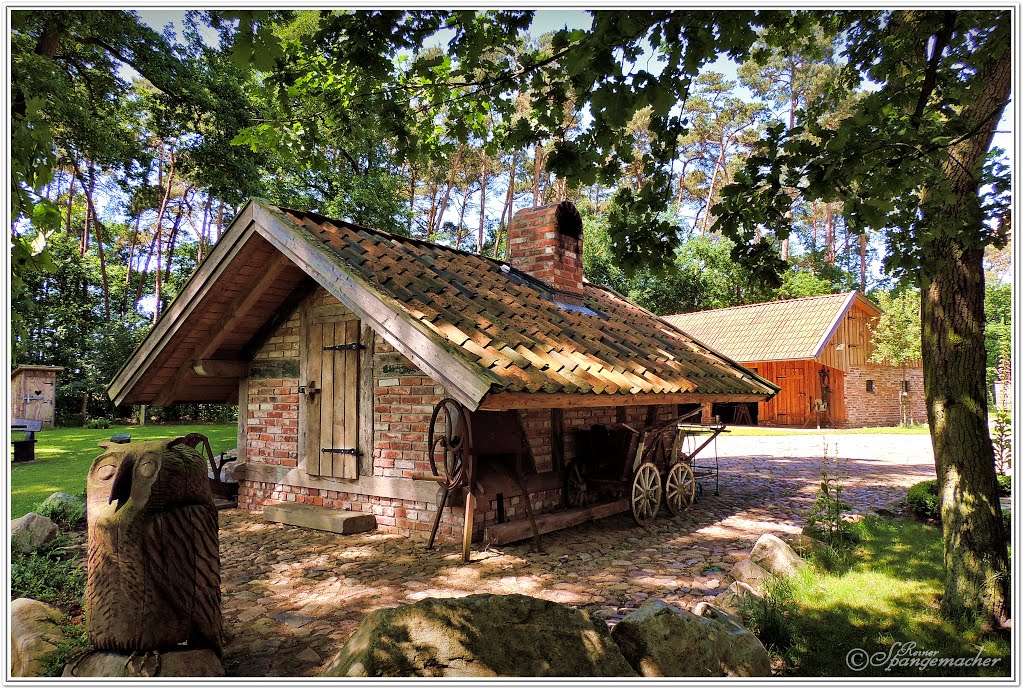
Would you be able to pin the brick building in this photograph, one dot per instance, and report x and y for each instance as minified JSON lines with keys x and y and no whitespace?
{"x":339,"y":342}
{"x":816,"y":349}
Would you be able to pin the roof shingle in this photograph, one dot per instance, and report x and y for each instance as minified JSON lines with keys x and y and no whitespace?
{"x":510,"y":326}
{"x":769,"y":331}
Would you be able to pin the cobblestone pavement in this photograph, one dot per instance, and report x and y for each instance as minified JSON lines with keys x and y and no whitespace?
{"x":293,"y":597}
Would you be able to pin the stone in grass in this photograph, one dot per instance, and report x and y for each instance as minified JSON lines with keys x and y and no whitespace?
{"x":31,"y":531}
{"x":775,"y":556}
{"x":183,"y":663}
{"x":750,"y":573}
{"x":480,"y":635}
{"x":738,"y":594}
{"x":661,"y":640}
{"x":35,"y":634}
{"x":59,"y":500}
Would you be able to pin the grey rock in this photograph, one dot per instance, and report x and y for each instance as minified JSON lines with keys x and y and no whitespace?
{"x":185,"y":663}
{"x":738,"y":594}
{"x":31,"y":531}
{"x":750,"y":573}
{"x":775,"y":556}
{"x":35,"y":634}
{"x":480,"y":635}
{"x":661,"y":640}
{"x":59,"y":499}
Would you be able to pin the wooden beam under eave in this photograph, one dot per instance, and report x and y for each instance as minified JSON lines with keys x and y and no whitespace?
{"x":221,"y":368}
{"x":533,"y":401}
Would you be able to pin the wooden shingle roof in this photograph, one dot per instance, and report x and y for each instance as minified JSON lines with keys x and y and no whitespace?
{"x":770,"y":331}
{"x":482,"y":328}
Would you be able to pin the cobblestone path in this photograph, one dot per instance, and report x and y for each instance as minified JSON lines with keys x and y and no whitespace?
{"x":293,"y":597}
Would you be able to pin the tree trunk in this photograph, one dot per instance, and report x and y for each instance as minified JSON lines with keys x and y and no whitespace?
{"x":99,"y":240}
{"x":204,"y":229}
{"x":953,"y":350}
{"x":863,"y":262}
{"x":538,"y":167}
{"x":483,"y":204}
{"x":412,"y":196}
{"x":71,"y":201}
{"x":506,"y":209}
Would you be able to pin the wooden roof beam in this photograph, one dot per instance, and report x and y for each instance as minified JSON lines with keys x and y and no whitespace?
{"x":221,"y":368}
{"x":533,"y":401}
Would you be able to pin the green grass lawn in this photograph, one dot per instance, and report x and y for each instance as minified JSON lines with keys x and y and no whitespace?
{"x":885,"y":592}
{"x":63,"y":457}
{"x":769,"y":431}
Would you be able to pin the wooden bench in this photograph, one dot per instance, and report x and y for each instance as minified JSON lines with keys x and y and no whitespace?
{"x":25,"y":448}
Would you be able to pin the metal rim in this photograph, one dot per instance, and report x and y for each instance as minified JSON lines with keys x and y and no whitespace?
{"x":576,"y":485}
{"x":680,"y":488}
{"x":645,"y":493}
{"x":446,"y":441}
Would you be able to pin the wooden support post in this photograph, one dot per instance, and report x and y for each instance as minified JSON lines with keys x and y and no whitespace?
{"x":142,"y":415}
{"x":243,"y":419}
{"x":467,"y":528}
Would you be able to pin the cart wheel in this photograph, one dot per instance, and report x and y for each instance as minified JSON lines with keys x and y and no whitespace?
{"x":645,"y":495}
{"x":446,"y":442}
{"x":576,"y":485}
{"x":680,"y":488}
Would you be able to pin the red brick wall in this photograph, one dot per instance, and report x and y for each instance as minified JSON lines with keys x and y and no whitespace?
{"x":404,"y":400}
{"x":882,"y":408}
{"x":272,"y":415}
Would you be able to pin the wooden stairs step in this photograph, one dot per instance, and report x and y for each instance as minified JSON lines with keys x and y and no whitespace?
{"x":318,"y":517}
{"x":517,"y":530}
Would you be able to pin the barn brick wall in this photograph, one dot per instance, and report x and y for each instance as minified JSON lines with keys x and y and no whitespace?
{"x":404,"y":399}
{"x":272,"y":414}
{"x":882,"y":408}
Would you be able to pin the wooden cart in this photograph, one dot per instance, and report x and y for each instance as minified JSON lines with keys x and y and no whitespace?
{"x":649,"y":466}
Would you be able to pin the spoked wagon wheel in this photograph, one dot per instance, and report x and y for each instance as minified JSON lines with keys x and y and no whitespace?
{"x":447,"y":443}
{"x":645,"y":494}
{"x":446,"y":439}
{"x":576,"y":493}
{"x":680,"y":488}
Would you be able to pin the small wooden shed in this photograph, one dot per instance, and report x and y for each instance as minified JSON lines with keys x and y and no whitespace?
{"x":816,"y":349}
{"x":34,"y":392}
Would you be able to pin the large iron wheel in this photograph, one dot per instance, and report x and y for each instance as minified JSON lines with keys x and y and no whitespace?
{"x":446,"y":439}
{"x":645,"y":494}
{"x":680,"y":488}
{"x":576,"y":492}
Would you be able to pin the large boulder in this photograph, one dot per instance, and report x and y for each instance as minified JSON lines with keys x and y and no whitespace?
{"x":750,"y":573}
{"x":35,"y":634}
{"x":776,"y":556}
{"x":184,"y":663}
{"x":480,"y":635}
{"x":738,"y":594}
{"x":662,"y":640}
{"x":31,"y":531}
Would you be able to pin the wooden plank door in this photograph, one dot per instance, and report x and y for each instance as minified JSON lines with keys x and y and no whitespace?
{"x":332,"y":398}
{"x":791,"y":402}
{"x":38,"y":397}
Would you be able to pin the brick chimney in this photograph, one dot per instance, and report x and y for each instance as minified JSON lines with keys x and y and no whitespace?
{"x":547,"y":243}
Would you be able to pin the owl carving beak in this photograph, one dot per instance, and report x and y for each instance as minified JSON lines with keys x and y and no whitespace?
{"x":121,"y":490}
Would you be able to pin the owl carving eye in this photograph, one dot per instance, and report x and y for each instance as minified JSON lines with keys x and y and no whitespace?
{"x":146,"y":470}
{"x":105,"y":472}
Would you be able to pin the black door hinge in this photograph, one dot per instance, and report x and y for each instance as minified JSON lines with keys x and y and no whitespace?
{"x":350,"y":346}
{"x":341,"y":451}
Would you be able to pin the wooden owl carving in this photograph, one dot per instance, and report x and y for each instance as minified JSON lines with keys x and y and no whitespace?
{"x":153,"y":558}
